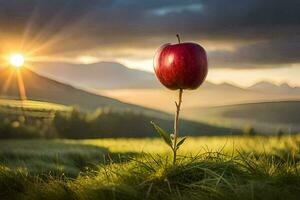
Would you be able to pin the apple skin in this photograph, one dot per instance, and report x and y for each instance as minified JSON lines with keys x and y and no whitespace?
{"x":181,"y":66}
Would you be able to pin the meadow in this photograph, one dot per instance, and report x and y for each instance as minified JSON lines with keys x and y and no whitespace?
{"x":232,"y":167}
{"x":37,"y":161}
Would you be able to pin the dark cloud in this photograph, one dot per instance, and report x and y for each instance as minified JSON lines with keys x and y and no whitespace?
{"x":74,"y":25}
{"x":262,"y":54}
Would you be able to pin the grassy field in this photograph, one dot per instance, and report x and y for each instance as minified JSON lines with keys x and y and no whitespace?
{"x":32,"y":105}
{"x":35,"y":109}
{"x":208,"y":168}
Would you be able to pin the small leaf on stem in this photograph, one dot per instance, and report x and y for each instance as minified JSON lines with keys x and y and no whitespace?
{"x":180,"y":142}
{"x":163,"y":134}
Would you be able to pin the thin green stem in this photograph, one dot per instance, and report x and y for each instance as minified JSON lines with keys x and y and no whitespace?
{"x":176,"y":125}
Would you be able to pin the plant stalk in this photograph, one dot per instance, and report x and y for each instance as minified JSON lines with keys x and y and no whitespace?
{"x":178,"y":38}
{"x":176,"y":125}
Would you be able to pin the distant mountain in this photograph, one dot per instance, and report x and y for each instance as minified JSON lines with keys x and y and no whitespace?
{"x":108,"y":75}
{"x":142,"y":88}
{"x":265,"y":86}
{"x":221,"y":86}
{"x":113,"y":75}
{"x":102,"y":75}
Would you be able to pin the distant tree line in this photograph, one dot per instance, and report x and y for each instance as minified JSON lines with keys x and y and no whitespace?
{"x":103,"y":123}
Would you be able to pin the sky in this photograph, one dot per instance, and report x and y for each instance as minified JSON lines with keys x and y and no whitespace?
{"x":246,"y":41}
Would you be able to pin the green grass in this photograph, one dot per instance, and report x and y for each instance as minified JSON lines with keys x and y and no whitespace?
{"x":35,"y":109}
{"x":208,"y":168}
{"x":33,"y":105}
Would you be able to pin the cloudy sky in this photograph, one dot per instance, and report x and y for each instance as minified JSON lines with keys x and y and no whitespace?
{"x":246,"y":40}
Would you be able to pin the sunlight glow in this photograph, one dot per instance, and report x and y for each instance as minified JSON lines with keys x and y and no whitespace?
{"x":21,"y":86}
{"x":17,"y":60}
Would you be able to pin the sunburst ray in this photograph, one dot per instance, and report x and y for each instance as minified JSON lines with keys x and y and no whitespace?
{"x":7,"y":81}
{"x":21,"y":86}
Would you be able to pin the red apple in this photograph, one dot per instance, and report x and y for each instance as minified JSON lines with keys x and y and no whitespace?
{"x":181,"y":66}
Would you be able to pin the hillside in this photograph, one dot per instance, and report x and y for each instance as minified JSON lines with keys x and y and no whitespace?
{"x":265,"y":116}
{"x":41,"y":88}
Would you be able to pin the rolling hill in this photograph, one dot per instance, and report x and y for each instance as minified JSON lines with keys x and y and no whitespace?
{"x":41,"y":88}
{"x":267,"y":117}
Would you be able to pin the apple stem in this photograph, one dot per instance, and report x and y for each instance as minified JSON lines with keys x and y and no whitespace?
{"x":176,"y":125}
{"x":178,"y":38}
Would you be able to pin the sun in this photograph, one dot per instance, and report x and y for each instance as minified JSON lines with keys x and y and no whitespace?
{"x":17,"y":60}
